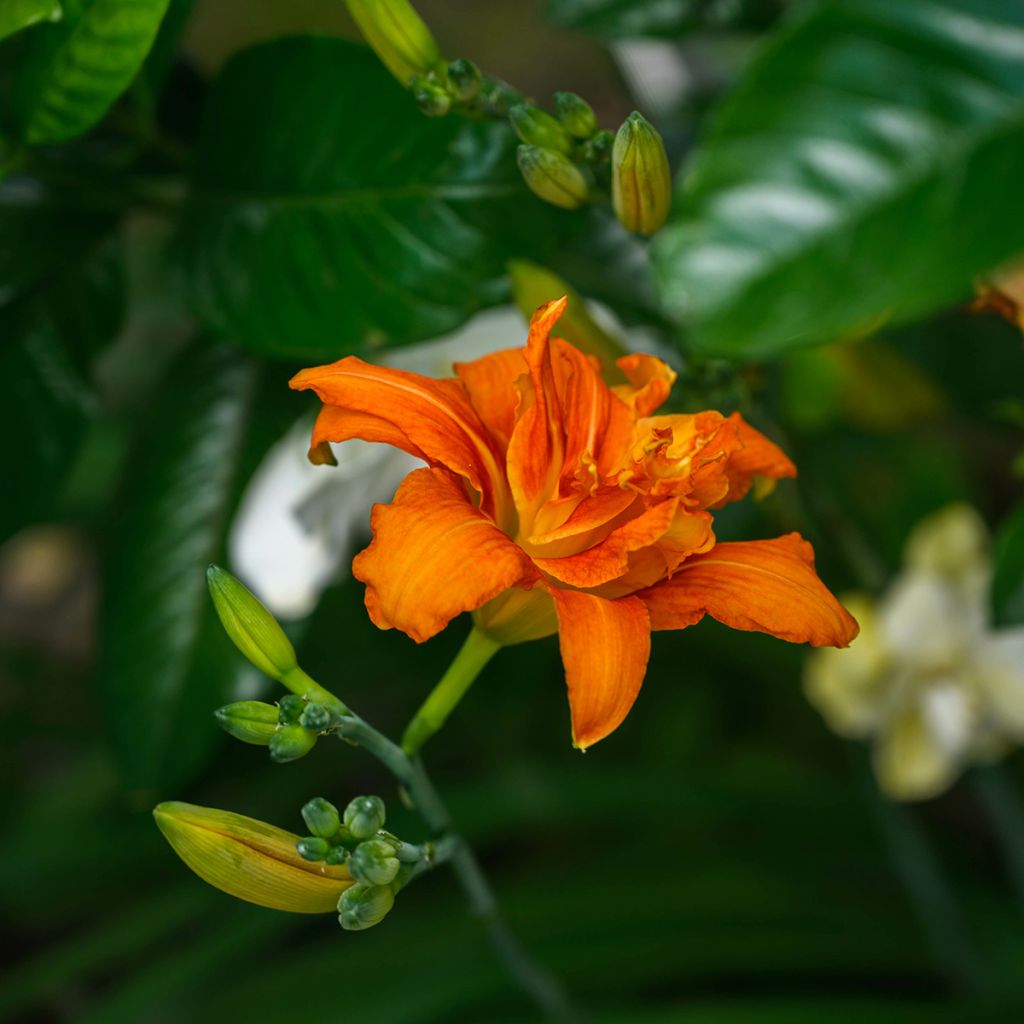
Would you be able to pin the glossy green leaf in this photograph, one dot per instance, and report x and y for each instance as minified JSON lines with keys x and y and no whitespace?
{"x":166,"y":665}
{"x":329,"y":214}
{"x":18,"y":14}
{"x":1008,"y":582}
{"x":866,"y":168}
{"x":78,"y":67}
{"x":638,"y":18}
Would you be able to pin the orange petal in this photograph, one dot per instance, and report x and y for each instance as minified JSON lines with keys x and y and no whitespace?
{"x":435,"y":416}
{"x":757,"y":457}
{"x":650,"y":381}
{"x":605,"y":646}
{"x":609,"y":559}
{"x":593,"y":513}
{"x":433,"y":556}
{"x":765,"y":585}
{"x":536,"y":449}
{"x":490,"y":383}
{"x":336,"y":424}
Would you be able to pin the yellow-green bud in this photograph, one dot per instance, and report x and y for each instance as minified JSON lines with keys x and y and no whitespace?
{"x":641,"y":181}
{"x":250,"y":859}
{"x":397,"y":35}
{"x":576,"y":114}
{"x":312,"y":848}
{"x":464,"y":79}
{"x":374,"y":862}
{"x":430,"y":97}
{"x":363,"y":906}
{"x":252,"y":629}
{"x":291,"y":742}
{"x":250,"y":721}
{"x":552,"y":177}
{"x":538,"y":128}
{"x":365,"y":816}
{"x":315,"y":717}
{"x":321,"y":817}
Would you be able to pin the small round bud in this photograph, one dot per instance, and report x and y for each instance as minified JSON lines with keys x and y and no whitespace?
{"x":599,"y":148}
{"x":315,"y":717}
{"x":552,"y":177}
{"x":250,"y":721}
{"x":290,"y":708}
{"x":363,"y":906}
{"x":321,"y":817}
{"x":365,"y":816}
{"x":464,"y":79}
{"x":337,"y":855}
{"x":430,"y":97}
{"x":576,"y":114}
{"x":536,"y":127}
{"x":312,"y":848}
{"x":641,"y":180}
{"x":374,"y":862}
{"x":291,"y":742}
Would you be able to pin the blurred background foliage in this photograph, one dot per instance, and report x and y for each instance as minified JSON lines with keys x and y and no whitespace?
{"x":195,"y":197}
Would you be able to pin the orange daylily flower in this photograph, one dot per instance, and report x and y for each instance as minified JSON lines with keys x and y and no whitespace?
{"x":552,"y":502}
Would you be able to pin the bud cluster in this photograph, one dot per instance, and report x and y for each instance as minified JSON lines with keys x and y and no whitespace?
{"x":289,"y":730}
{"x":377,"y":861}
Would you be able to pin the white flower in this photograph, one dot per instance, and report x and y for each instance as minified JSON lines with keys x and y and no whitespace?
{"x":928,"y":679}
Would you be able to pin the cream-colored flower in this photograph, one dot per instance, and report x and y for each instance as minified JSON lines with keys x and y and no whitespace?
{"x":928,"y":679}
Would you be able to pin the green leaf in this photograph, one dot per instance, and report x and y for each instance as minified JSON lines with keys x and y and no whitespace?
{"x":670,"y":18}
{"x":867,"y":167}
{"x":1008,"y":582}
{"x":18,"y":14}
{"x":166,"y":665}
{"x":77,"y":68}
{"x":329,"y":214}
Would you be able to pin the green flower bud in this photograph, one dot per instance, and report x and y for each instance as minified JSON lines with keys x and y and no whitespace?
{"x":363,"y":906}
{"x":464,"y":79}
{"x":538,"y":128}
{"x":321,"y":817}
{"x":313,"y":848}
{"x":291,"y":742}
{"x":290,"y":708}
{"x":552,"y":177}
{"x":374,"y":862}
{"x":430,"y":97}
{"x":337,"y":856}
{"x":641,"y":181}
{"x":315,"y":717}
{"x":250,"y":721}
{"x":599,"y":148}
{"x":252,"y":629}
{"x":365,"y":816}
{"x":576,"y":114}
{"x":398,"y":36}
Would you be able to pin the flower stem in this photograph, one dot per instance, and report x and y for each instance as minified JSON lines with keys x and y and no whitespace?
{"x":433,"y":713}
{"x":996,"y":793}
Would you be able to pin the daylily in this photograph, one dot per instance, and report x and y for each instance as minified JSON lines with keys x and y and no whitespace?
{"x":552,"y":502}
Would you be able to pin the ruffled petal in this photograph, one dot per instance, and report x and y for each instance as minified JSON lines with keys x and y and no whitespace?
{"x":435,"y":416}
{"x":650,"y":381}
{"x":605,"y":647}
{"x":769,"y":586}
{"x":433,"y":556}
{"x":757,"y":457}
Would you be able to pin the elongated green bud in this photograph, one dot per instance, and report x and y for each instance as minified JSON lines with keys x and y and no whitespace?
{"x":641,"y":181}
{"x":538,"y":128}
{"x":552,"y":177}
{"x":252,"y":629}
{"x":313,"y":848}
{"x":321,"y":817}
{"x":250,"y":721}
{"x":430,"y":97}
{"x":363,"y":906}
{"x":397,"y":35}
{"x":464,"y":79}
{"x":374,"y":862}
{"x":365,"y":816}
{"x":576,"y":114}
{"x":291,"y":742}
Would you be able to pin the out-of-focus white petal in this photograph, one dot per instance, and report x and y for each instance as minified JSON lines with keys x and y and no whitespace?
{"x":999,"y":674}
{"x":910,"y":761}
{"x":953,"y":543}
{"x":298,"y":524}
